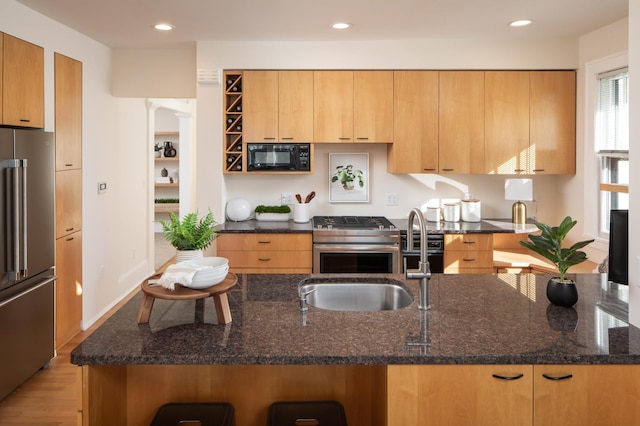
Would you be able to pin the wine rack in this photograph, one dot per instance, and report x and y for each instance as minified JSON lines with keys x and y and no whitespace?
{"x":233,"y":143}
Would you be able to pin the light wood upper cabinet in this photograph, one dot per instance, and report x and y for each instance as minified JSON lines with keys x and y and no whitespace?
{"x":506,"y":146}
{"x":373,"y":106}
{"x":278,"y":106}
{"x":68,"y":120}
{"x":260,"y":106}
{"x":415,"y":128}
{"x":553,"y":122}
{"x":1,"y":67}
{"x":333,"y":106}
{"x":461,"y":121}
{"x":68,"y":202}
{"x":22,"y":83}
{"x":295,"y":106}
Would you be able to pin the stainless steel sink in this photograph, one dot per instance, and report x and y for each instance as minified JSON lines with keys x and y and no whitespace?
{"x":345,"y":295}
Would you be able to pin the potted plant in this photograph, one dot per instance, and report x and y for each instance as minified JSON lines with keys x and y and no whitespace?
{"x":190,"y":236}
{"x":156,"y":149}
{"x":273,"y":213}
{"x":560,"y":291}
{"x":346,"y":175}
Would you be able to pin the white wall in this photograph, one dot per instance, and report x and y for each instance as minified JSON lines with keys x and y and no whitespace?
{"x":110,"y":153}
{"x":611,"y":40}
{"x":634,"y":149}
{"x":413,"y":191}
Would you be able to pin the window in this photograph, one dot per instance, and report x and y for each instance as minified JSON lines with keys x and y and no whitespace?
{"x":612,"y":143}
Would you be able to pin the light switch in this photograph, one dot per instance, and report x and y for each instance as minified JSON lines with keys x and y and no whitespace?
{"x":102,"y":187}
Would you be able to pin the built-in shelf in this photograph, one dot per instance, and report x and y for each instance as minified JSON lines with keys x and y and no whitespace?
{"x":166,"y":158}
{"x":167,"y":207}
{"x":167,"y":185}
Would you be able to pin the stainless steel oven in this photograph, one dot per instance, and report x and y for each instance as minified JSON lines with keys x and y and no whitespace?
{"x":435,"y":252}
{"x":355,"y":244}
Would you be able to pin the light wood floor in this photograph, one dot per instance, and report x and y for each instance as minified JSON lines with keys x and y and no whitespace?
{"x":49,"y":397}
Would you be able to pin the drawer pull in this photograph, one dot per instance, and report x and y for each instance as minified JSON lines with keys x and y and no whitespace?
{"x":264,"y":259}
{"x":363,"y":139}
{"x":538,"y":170}
{"x":429,"y":170}
{"x":516,"y":377}
{"x":565,"y":377}
{"x":447,"y":170}
{"x":68,"y":229}
{"x":269,"y":139}
{"x":25,"y":120}
{"x":468,"y":242}
{"x":264,"y":242}
{"x":469,"y":259}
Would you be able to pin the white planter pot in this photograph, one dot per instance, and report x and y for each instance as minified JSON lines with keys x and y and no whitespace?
{"x":182,"y":255}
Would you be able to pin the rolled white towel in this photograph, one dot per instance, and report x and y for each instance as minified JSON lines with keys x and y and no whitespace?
{"x":179,"y":274}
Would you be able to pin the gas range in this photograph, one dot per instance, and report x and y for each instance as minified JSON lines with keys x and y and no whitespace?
{"x":355,"y":244}
{"x":354,"y":229}
{"x":352,"y":222}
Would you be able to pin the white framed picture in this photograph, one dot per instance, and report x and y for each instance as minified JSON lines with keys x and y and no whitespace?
{"x":349,"y":178}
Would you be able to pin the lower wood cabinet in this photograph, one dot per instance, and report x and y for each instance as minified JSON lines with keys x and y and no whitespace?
{"x":68,"y":287}
{"x":267,"y":253}
{"x":459,"y":395}
{"x":545,"y":395}
{"x":468,"y":253}
{"x":586,"y":395}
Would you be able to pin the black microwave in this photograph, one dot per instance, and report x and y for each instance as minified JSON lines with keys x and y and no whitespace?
{"x":272,"y":157}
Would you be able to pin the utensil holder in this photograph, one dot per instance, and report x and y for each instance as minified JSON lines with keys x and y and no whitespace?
{"x":301,"y":213}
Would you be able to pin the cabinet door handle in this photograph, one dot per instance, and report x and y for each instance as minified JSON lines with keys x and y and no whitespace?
{"x":468,"y":242}
{"x":269,"y":139}
{"x":468,"y":259}
{"x":68,"y":165}
{"x":344,"y":139}
{"x":429,"y":170}
{"x":287,"y":139}
{"x":25,"y":120}
{"x":447,"y":170}
{"x":69,"y":229}
{"x":69,"y":239}
{"x":501,"y":377}
{"x":519,"y":170}
{"x":565,"y":377}
{"x":264,"y":259}
{"x":538,"y":170}
{"x":363,"y":139}
{"x":264,"y":242}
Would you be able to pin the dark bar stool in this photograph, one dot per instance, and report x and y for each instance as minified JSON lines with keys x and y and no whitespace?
{"x":306,"y":413}
{"x":195,"y":414}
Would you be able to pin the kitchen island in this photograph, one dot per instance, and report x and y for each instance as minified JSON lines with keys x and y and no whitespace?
{"x":381,"y":365}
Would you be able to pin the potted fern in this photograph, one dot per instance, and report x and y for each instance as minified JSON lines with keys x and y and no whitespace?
{"x":560,"y":291}
{"x":190,"y":236}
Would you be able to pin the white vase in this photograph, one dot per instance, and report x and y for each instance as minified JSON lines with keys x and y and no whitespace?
{"x":182,"y":255}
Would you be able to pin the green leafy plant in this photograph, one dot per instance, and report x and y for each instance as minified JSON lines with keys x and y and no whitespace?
{"x":273,"y":209}
{"x":549,"y":245}
{"x":346,"y":175}
{"x":190,"y":233}
{"x":157,"y":147}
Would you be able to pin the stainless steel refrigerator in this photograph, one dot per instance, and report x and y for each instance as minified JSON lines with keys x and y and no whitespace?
{"x":27,"y":254}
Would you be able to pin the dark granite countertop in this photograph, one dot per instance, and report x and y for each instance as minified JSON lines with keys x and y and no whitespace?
{"x":489,"y":226}
{"x":256,"y":226}
{"x":475,"y":319}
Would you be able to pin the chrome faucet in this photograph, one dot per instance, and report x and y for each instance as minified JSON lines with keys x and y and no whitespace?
{"x":422,"y":273}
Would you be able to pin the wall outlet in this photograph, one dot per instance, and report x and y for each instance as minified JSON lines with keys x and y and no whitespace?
{"x":286,"y":198}
{"x":102,"y":187}
{"x":392,"y":199}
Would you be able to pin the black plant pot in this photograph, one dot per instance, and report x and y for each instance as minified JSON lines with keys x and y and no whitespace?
{"x":562,"y":293}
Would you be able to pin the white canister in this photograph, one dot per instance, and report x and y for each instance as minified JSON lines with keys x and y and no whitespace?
{"x":470,"y":210}
{"x":451,"y":212}
{"x":433,"y":214}
{"x":301,"y":213}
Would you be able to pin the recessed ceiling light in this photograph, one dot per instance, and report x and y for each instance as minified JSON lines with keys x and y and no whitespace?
{"x":521,"y":23}
{"x":163,"y":27}
{"x":341,"y":26}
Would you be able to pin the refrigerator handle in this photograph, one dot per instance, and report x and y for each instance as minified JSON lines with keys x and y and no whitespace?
{"x":24,"y":270}
{"x":16,"y":198}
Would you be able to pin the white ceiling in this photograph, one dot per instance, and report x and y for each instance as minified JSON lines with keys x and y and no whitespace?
{"x":128,"y":23}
